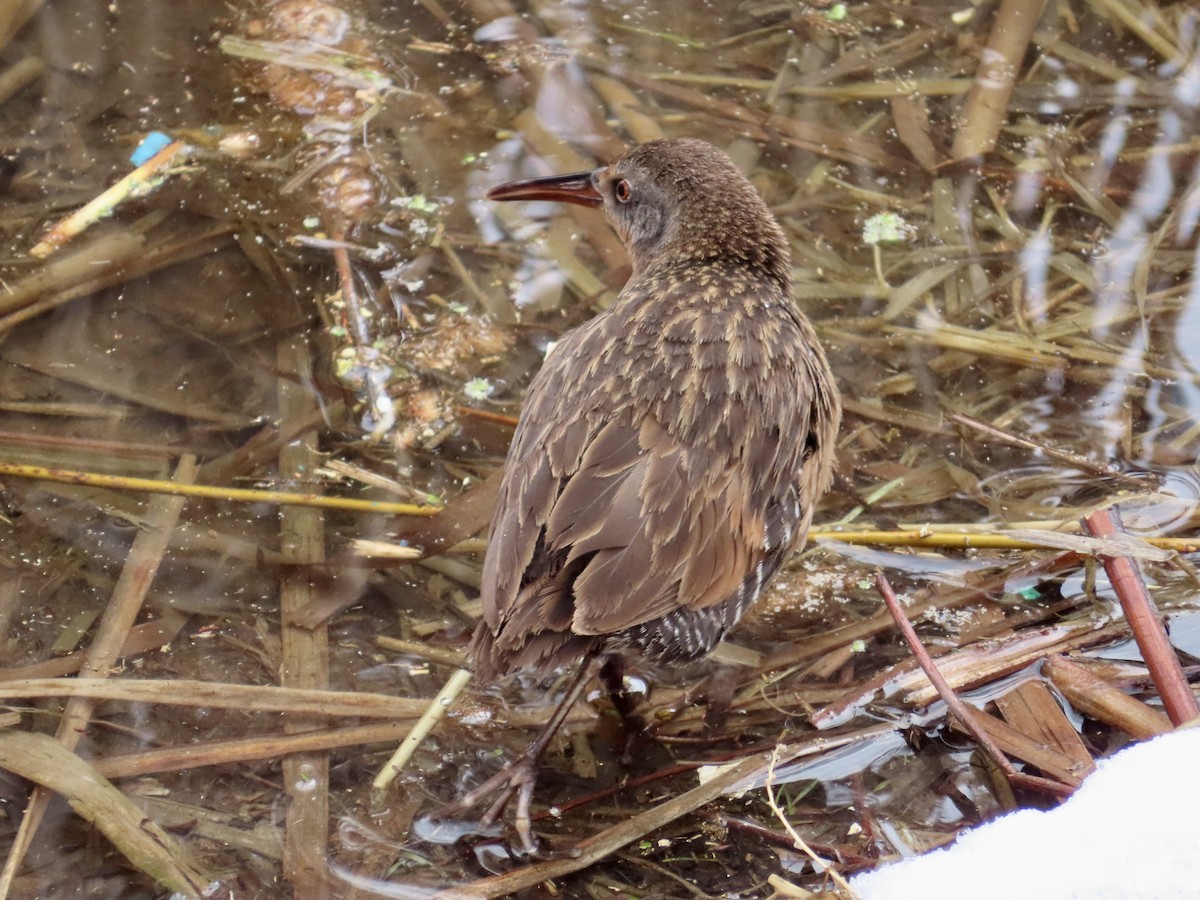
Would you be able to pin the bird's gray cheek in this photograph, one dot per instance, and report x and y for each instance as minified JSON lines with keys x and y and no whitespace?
{"x":647,"y":227}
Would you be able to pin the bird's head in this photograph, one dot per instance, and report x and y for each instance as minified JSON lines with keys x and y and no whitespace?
{"x":674,"y":202}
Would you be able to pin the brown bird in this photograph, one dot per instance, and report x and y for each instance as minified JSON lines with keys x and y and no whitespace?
{"x":669,"y":452}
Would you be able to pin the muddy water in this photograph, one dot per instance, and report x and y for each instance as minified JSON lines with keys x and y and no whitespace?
{"x":1044,"y":295}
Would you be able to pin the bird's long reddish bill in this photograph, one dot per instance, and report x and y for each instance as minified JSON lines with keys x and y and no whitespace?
{"x":576,"y":188}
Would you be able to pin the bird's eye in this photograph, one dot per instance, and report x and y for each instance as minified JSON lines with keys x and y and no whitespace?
{"x":622,"y":191}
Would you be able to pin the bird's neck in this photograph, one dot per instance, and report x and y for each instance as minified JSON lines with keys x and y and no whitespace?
{"x":663,"y":277}
{"x":759,"y":254}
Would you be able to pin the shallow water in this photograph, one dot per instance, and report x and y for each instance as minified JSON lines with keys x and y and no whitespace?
{"x":1045,"y":295}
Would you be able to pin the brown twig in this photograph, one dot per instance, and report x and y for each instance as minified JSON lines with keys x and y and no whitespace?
{"x":1144,"y":621}
{"x":1076,"y":462}
{"x":956,"y":706}
{"x":141,"y":639}
{"x":120,"y":449}
{"x":849,"y":860}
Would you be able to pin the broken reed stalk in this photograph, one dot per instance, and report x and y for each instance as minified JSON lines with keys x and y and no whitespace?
{"x":455,"y":659}
{"x":955,"y":705}
{"x":106,"y":256}
{"x":1140,"y":22}
{"x":1009,"y":540}
{"x":1018,"y":743}
{"x":1034,"y":711}
{"x":1144,"y":620}
{"x":486,"y":416}
{"x":304,"y":651}
{"x":357,"y":323}
{"x":1099,"y":700}
{"x":437,"y":709}
{"x":986,"y":108}
{"x":824,"y":141}
{"x":1038,"y":539}
{"x":137,"y":183}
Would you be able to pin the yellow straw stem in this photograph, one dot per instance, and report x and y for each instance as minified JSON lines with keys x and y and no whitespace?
{"x":979,"y":541}
{"x":946,"y":540}
{"x":242,"y":495}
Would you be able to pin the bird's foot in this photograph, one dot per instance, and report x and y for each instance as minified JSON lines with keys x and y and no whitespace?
{"x":517,"y":779}
{"x":637,"y":739}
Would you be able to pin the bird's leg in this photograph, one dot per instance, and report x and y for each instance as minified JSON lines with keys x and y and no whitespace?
{"x":520,"y":776}
{"x":612,"y":676}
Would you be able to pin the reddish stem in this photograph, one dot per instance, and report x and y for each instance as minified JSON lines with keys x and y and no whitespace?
{"x":956,"y":705}
{"x":1144,"y":621}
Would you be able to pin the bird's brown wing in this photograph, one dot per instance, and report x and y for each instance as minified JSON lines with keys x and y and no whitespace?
{"x":674,"y":532}
{"x":604,"y":524}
